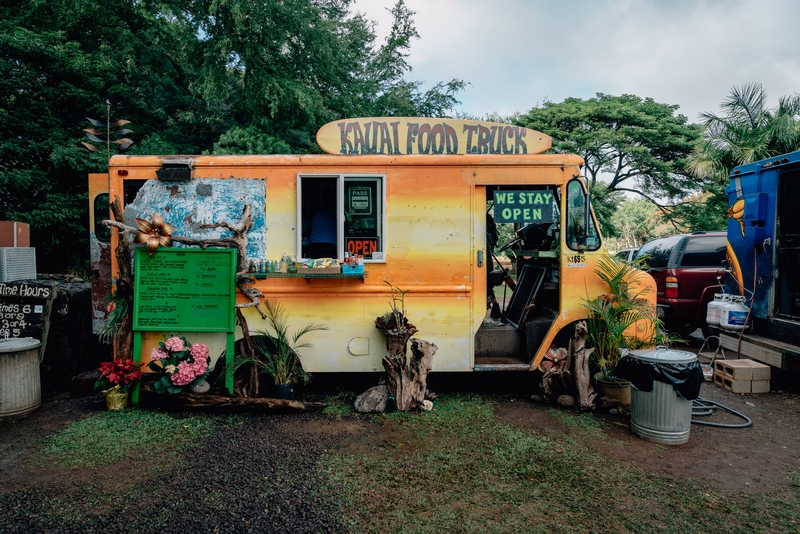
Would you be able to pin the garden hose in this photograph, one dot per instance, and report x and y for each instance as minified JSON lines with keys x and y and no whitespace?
{"x":701,"y":406}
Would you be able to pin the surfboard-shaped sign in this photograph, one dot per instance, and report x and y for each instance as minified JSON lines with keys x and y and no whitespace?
{"x":417,"y":135}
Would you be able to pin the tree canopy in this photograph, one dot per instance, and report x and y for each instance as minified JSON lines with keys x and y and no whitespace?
{"x":746,"y":131}
{"x":192,"y":76}
{"x":636,"y":144}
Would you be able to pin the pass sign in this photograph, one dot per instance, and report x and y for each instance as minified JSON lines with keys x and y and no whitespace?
{"x":523,"y":206}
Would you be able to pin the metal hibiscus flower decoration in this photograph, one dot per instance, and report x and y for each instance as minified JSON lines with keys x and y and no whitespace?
{"x":154,"y":233}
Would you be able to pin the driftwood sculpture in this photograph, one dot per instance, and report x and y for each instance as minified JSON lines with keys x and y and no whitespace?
{"x":123,"y":339}
{"x":573,"y":374}
{"x":406,"y":379}
{"x":238,"y":240}
{"x":255,"y":296}
{"x":246,"y":386}
{"x":245,"y":380}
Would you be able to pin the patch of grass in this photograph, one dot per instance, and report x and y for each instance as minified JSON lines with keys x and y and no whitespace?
{"x":461,"y":469}
{"x":339,"y":404}
{"x":586,"y":422}
{"x":107,"y":437}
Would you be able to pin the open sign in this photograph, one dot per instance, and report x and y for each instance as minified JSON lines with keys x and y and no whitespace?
{"x":364,"y":246}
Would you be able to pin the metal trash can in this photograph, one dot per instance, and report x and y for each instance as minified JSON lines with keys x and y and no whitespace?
{"x":664,"y":383}
{"x":20,"y":382}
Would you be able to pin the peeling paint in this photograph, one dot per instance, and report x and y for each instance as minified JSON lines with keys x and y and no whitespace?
{"x":186,"y":209}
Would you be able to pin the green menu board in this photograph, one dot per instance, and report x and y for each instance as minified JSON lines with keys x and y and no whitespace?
{"x":184,"y":289}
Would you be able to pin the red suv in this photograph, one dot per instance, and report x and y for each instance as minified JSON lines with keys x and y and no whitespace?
{"x":688,"y":271}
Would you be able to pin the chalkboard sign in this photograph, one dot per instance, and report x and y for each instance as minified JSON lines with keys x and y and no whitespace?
{"x":528,"y":282}
{"x":25,"y":310}
{"x":184,"y":289}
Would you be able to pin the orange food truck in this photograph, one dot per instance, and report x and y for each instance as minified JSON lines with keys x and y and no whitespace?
{"x":416,"y":200}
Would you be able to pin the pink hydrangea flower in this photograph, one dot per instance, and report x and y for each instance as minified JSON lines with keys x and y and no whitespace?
{"x":184,"y":375}
{"x":158,"y":354}
{"x":174,"y":344}
{"x":199,"y":351}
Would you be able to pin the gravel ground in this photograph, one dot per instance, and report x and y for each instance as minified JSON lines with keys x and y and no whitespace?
{"x":256,"y":475}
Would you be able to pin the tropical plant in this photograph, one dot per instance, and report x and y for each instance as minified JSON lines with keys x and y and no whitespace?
{"x":745,"y":132}
{"x":612,"y":314}
{"x":276,"y":349}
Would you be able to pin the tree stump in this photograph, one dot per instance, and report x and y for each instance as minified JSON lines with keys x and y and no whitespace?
{"x":406,"y":379}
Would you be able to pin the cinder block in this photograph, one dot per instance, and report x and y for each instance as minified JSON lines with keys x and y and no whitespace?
{"x":742,"y":369}
{"x":761,"y":372}
{"x":759,"y":386}
{"x":734,"y":386}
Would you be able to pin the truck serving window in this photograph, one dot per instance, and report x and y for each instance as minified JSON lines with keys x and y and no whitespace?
{"x":341,"y":213}
{"x":581,"y":231}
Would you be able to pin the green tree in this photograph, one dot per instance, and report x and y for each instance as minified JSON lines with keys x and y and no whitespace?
{"x":636,"y":221}
{"x":605,"y":203}
{"x":636,"y":144}
{"x":192,"y":76}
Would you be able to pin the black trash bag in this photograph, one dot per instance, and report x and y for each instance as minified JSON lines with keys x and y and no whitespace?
{"x":686,"y":378}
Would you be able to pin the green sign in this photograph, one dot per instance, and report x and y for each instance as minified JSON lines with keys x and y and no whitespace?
{"x":184,"y":289}
{"x":523,"y":206}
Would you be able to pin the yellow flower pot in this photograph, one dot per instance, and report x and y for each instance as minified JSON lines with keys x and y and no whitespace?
{"x":116,"y":399}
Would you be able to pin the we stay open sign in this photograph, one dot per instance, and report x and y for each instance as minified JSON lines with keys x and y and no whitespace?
{"x":523,"y":206}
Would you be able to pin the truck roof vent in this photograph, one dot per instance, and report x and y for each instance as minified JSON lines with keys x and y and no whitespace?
{"x":175,"y":170}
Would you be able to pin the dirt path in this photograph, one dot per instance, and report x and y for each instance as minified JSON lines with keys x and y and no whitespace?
{"x":753,"y":459}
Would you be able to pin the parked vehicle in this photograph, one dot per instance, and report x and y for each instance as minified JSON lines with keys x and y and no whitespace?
{"x":764,"y":259}
{"x":626,"y":254}
{"x":409,"y":196}
{"x":688,"y":270}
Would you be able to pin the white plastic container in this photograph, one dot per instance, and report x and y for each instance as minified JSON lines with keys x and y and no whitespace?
{"x":714,"y":310}
{"x":733,"y":315}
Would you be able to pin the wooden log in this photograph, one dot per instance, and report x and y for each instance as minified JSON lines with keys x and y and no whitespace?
{"x":212,"y":401}
{"x":246,"y":379}
{"x":123,"y":339}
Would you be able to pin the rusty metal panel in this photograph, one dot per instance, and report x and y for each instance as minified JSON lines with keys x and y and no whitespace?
{"x":186,"y":205}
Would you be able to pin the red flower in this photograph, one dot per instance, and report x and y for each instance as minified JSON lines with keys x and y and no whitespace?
{"x":118,"y":373}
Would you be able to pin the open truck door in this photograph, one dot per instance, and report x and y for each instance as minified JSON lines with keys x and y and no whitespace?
{"x":100,"y":248}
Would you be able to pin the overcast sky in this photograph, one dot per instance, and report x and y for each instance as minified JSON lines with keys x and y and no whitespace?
{"x":518,"y":53}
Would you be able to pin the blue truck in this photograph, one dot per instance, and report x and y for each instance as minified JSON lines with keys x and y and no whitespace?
{"x":763,"y":259}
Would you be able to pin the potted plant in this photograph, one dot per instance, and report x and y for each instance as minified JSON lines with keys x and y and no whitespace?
{"x":180,"y":363}
{"x":116,"y":377}
{"x":611,"y":322}
{"x":275,"y":350}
